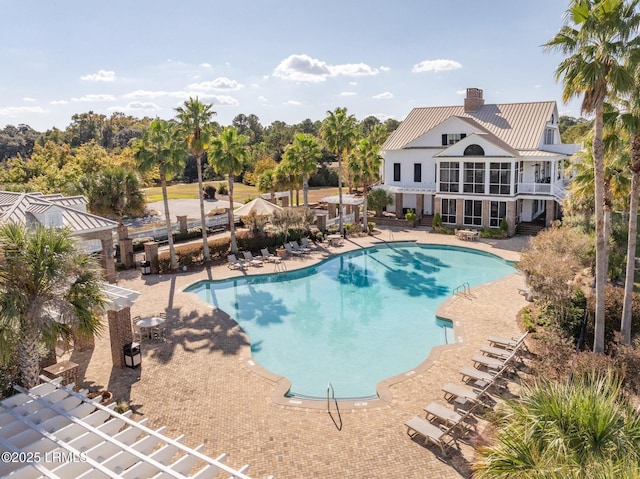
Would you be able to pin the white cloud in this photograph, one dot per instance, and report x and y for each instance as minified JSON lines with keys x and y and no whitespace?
{"x":220,"y":83}
{"x":28,"y":98}
{"x":58,"y":102}
{"x":17,"y":110}
{"x":383,"y":96}
{"x":384,"y":69}
{"x":461,"y":92}
{"x":137,"y":106}
{"x":102,"y":75}
{"x":94,"y":97}
{"x":224,"y":100}
{"x":303,"y":68}
{"x":353,"y":83}
{"x":206,"y":65}
{"x":145,"y":94}
{"x":440,"y":65}
{"x":348,"y":93}
{"x":293,"y":103}
{"x":263,"y":100}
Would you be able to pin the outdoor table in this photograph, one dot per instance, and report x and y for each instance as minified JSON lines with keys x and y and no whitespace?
{"x":67,"y":370}
{"x":146,"y":325}
{"x":334,"y":239}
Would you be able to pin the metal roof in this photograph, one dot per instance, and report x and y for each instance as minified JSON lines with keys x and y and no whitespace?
{"x":519,"y":125}
{"x":21,"y":207}
{"x":56,"y":432}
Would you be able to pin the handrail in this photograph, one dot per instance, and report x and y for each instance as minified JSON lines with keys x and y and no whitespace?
{"x":465,"y":288}
{"x":333,"y":395}
{"x":391,"y":237}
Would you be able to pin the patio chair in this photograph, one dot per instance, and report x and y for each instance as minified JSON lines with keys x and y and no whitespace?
{"x":480,"y":378}
{"x":297,"y":247}
{"x":488,"y":362}
{"x":248,"y":256}
{"x":450,"y":418}
{"x":266,"y":256}
{"x":494,"y":352}
{"x":137,"y":333}
{"x":508,"y":343}
{"x":432,"y":433}
{"x":234,"y":263}
{"x":306,"y":244}
{"x":291,"y":251}
{"x":453,"y":391}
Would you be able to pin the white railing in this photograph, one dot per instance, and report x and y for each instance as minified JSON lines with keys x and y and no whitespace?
{"x":534,"y":188}
{"x":157,"y":231}
{"x":346,"y":219}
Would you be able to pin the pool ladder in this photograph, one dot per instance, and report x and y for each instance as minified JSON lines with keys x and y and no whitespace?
{"x":464,"y":288}
{"x":331,"y":395}
{"x":280,"y":267}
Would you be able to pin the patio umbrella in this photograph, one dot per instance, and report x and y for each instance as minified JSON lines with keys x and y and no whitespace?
{"x":260,"y":206}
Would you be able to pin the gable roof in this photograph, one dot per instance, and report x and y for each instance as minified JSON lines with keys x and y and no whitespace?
{"x":519,"y":125}
{"x":21,"y":208}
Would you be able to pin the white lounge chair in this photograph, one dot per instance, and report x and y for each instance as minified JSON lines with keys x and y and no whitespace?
{"x":491,"y":363}
{"x":306,"y":244}
{"x":431,"y":432}
{"x":248,"y":256}
{"x":496,"y":352}
{"x":475,"y":374}
{"x":291,"y":251}
{"x":234,"y":263}
{"x":508,"y":343}
{"x":453,"y":391}
{"x":450,"y":418}
{"x":266,"y":256}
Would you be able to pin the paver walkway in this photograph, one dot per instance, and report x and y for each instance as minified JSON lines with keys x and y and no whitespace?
{"x":199,"y":382}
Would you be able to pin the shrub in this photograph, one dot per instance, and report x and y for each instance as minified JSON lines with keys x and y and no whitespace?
{"x":504,"y":226}
{"x":378,"y":200}
{"x":443,"y":230}
{"x":222,"y":189}
{"x":371,"y":225}
{"x":613,"y":301}
{"x":411,"y":216}
{"x":210,"y":192}
{"x":437,"y":221}
{"x":492,"y":233}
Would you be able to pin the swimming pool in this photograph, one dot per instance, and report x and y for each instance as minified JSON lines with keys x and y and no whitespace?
{"x":354,"y":319}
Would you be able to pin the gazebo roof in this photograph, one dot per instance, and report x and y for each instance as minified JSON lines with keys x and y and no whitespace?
{"x":67,"y":435}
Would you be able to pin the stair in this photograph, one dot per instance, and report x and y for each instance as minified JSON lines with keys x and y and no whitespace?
{"x":426,"y":221}
{"x":529,"y":229}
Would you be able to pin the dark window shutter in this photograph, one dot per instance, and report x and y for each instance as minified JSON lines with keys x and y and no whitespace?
{"x":463,"y":135}
{"x":444,"y":140}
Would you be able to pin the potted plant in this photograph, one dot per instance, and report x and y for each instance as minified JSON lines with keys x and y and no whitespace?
{"x":411,"y":217}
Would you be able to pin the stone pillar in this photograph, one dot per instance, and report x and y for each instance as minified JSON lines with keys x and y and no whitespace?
{"x":126,"y":252}
{"x":511,"y":217}
{"x":459,"y":211}
{"x":120,"y":333}
{"x":550,"y":212}
{"x":84,"y":343}
{"x":356,"y":215}
{"x":321,"y":222}
{"x":486,"y":211}
{"x":420,"y":205}
{"x":182,"y":224}
{"x":398,"y":205}
{"x":285,"y":201}
{"x":151,"y":253}
{"x":333,"y":208}
{"x":106,"y":256}
{"x":437,"y":206}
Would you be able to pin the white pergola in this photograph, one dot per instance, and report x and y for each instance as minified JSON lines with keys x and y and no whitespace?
{"x":52,"y":431}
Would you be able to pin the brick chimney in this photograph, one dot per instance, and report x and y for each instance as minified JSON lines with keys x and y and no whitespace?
{"x":473,"y":101}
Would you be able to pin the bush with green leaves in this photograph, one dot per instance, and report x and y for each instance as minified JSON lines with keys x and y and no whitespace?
{"x":437,"y":221}
{"x":222,"y":189}
{"x":378,"y":200}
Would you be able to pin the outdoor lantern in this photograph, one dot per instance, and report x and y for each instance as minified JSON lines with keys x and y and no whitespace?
{"x":132,"y":355}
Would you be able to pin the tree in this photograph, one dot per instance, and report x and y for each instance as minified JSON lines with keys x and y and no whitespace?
{"x":195,"y":119}
{"x":365,"y":165}
{"x":339,"y":133}
{"x":226,"y":155}
{"x":303,"y":154}
{"x":162,"y":147}
{"x":584,"y":428}
{"x":267,"y":183}
{"x":379,"y":199}
{"x":594,"y":41}
{"x":114,"y":192}
{"x":48,"y":289}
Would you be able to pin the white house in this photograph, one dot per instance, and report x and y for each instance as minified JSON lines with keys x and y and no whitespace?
{"x":478,"y":163}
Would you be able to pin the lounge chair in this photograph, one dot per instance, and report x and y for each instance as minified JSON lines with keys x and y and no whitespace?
{"x":248,"y":256}
{"x":494,"y":352}
{"x":291,"y":251}
{"x":297,"y":247}
{"x":477,"y":375}
{"x":508,"y":343}
{"x":266,"y":256}
{"x":453,"y":391}
{"x":437,"y":412}
{"x":306,"y":244}
{"x":234,"y":263}
{"x":491,"y":363}
{"x":431,"y":433}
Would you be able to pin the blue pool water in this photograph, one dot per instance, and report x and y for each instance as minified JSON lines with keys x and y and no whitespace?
{"x":353,"y":320}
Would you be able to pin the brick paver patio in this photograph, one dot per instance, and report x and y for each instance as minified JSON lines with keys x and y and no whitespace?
{"x":200,"y":381}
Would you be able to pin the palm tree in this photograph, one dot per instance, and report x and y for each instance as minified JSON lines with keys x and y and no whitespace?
{"x":267,"y":183}
{"x":339,"y":133}
{"x":566,"y":430}
{"x":227,"y":154}
{"x":195,"y":120}
{"x":303,"y":155}
{"x":113,"y":193}
{"x":162,"y":147}
{"x":48,"y":289}
{"x":365,"y":165}
{"x":594,"y":41}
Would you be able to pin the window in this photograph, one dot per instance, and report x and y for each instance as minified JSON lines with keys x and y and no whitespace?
{"x":450,"y":176}
{"x":549,"y":136}
{"x":500,"y":178}
{"x":396,"y":172}
{"x":498,"y":212}
{"x":452,"y":138}
{"x":473,"y":212}
{"x":448,"y":212}
{"x":417,"y":172}
{"x":473,"y":150}
{"x":473,"y":177}
{"x":519,"y":168}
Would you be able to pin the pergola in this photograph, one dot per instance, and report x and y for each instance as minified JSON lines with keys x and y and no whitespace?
{"x":53,"y":431}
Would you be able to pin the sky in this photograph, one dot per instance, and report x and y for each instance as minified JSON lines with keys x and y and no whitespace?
{"x":282,"y":60}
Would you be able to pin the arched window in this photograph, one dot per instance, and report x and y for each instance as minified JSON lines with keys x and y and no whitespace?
{"x":473,"y":150}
